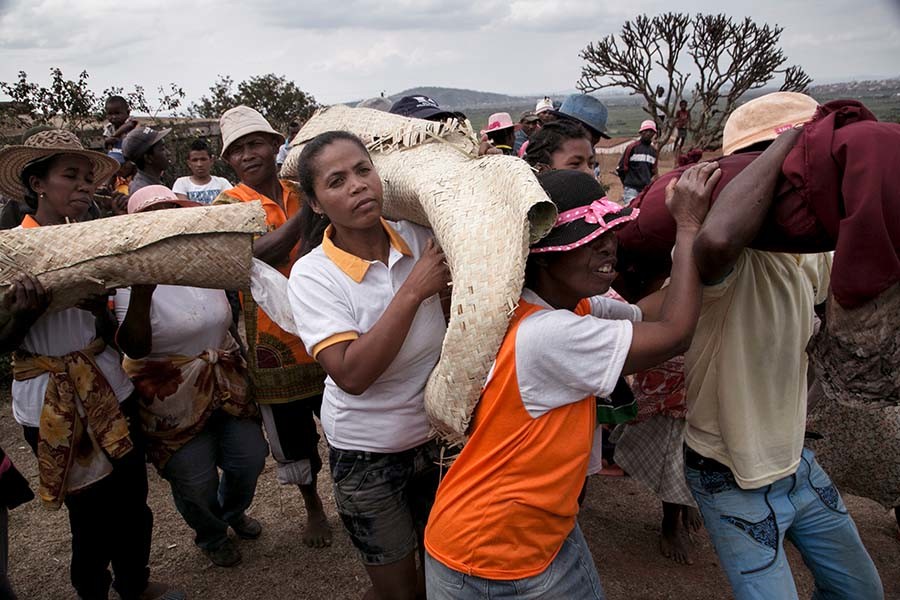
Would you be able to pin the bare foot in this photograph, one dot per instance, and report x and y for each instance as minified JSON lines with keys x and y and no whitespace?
{"x":691,"y":519}
{"x":318,"y":532}
{"x":674,"y":546}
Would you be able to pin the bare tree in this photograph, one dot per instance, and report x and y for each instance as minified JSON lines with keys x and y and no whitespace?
{"x":729,"y":58}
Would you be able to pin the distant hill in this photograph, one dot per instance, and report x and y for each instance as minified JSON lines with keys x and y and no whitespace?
{"x":458,"y":99}
{"x":858,"y":89}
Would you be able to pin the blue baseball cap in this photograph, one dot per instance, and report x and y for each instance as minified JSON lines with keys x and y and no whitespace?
{"x":586,"y":110}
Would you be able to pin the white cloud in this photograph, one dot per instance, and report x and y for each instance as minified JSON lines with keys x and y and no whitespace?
{"x":342,"y":50}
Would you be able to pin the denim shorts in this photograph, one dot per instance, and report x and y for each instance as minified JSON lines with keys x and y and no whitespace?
{"x":384,"y":499}
{"x":571,"y":575}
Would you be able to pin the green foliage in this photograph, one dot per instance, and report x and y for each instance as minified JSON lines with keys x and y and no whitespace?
{"x":279,"y":100}
{"x":71,"y":104}
{"x":168,"y":99}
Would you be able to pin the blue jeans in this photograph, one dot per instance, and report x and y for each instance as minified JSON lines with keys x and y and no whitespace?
{"x":207,"y":502}
{"x":572,"y":575}
{"x":748,"y":528}
{"x":629,"y":194}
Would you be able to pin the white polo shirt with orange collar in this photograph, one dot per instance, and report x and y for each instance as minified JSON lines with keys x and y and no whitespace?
{"x":335,"y":297}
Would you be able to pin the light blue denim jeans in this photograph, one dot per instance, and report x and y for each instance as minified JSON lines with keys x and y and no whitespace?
{"x":629,"y":194}
{"x":208,"y":502}
{"x":571,"y":575}
{"x":748,"y":528}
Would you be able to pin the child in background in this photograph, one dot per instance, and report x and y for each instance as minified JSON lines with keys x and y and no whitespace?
{"x":200,"y":186}
{"x":118,"y":115}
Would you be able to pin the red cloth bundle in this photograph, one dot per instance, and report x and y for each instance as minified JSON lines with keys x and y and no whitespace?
{"x":840,"y":190}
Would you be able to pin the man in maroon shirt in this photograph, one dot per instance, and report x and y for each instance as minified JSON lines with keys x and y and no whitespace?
{"x":682,"y":124}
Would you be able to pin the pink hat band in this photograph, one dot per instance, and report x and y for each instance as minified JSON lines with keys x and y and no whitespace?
{"x":498,"y":121}
{"x":602,"y":212}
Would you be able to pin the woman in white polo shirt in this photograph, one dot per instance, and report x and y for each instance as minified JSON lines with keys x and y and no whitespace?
{"x":366,"y":304}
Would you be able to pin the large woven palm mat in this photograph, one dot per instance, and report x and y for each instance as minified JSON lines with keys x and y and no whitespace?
{"x":208,"y":247}
{"x":484,"y":213}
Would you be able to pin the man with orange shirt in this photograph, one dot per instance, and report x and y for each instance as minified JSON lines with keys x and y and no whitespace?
{"x":288,"y":383}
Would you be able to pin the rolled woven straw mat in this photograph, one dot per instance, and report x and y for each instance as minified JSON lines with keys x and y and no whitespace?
{"x":484,"y":212}
{"x":209,"y":247}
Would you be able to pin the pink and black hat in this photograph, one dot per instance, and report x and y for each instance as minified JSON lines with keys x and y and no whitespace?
{"x":584,"y":212}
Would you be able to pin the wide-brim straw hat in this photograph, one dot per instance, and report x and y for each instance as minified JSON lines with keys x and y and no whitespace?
{"x":42,"y":145}
{"x":242,"y":120}
{"x":763,"y":119}
{"x":485,"y":212}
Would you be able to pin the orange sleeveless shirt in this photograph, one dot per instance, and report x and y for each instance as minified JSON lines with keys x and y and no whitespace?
{"x":510,"y":500}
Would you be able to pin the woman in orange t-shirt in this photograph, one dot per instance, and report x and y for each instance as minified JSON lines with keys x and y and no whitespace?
{"x":503,"y":524}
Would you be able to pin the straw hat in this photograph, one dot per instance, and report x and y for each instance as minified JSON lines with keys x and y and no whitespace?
{"x":242,"y":120}
{"x":763,"y":118}
{"x":485,"y":212}
{"x":44,"y":144}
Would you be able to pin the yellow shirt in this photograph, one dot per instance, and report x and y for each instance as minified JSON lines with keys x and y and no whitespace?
{"x":745,"y":371}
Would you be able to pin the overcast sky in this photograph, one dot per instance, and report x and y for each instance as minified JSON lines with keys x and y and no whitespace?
{"x":349,"y":49}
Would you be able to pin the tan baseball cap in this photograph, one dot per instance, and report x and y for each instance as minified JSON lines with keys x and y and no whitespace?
{"x":241,"y":120}
{"x":763,"y":119}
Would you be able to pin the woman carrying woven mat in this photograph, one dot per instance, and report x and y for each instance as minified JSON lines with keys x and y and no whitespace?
{"x":287,"y":382}
{"x":194,"y":405}
{"x":70,"y":393}
{"x":504,"y":521}
{"x":366,"y":303}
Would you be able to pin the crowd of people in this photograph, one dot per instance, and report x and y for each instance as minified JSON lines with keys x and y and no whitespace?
{"x":706,"y":367}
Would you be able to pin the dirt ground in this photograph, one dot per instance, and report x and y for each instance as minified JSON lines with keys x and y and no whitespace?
{"x":620,"y":520}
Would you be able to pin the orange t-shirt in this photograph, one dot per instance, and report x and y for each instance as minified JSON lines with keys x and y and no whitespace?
{"x":28,"y":222}
{"x":510,"y":500}
{"x":275,"y":347}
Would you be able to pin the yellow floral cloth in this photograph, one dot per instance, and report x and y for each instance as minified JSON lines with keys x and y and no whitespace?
{"x":81,"y":425}
{"x":179,"y":393}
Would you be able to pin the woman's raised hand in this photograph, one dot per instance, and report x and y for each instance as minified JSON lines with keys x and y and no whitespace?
{"x":430,"y":275}
{"x":688,"y":197}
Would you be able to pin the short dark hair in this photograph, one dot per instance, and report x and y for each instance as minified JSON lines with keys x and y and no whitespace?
{"x":118,"y":100}
{"x":200,"y":145}
{"x":314,"y":224}
{"x":550,"y":138}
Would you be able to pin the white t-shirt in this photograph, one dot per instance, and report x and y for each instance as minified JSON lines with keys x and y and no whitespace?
{"x":58,"y":334}
{"x":185,"y":321}
{"x":330,"y":304}
{"x":204,"y":194}
{"x":562,"y":357}
{"x":745,"y":372}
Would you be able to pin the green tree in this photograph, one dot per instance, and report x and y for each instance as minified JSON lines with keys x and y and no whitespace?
{"x":68,"y":103}
{"x":71,"y":104}
{"x":277,"y":99}
{"x":730,"y":58}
